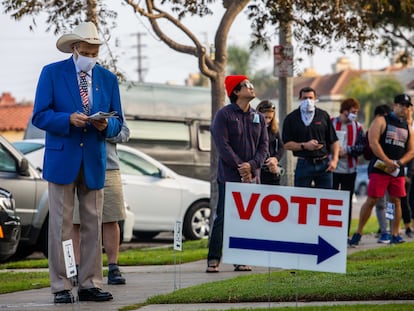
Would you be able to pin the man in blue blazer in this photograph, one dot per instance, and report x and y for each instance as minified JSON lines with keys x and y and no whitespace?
{"x":75,"y":155}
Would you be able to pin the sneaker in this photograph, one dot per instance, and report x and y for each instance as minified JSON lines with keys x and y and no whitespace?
{"x":409,"y":232}
{"x":397,"y":239}
{"x":115,"y":277}
{"x":355,"y":240}
{"x":384,"y":238}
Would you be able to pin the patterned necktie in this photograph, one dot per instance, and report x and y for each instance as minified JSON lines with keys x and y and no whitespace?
{"x":83,"y":88}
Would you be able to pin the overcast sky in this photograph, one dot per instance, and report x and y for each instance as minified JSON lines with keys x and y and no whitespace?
{"x":24,"y":53}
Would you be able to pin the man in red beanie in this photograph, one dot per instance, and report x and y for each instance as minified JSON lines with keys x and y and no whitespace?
{"x":240,"y":135}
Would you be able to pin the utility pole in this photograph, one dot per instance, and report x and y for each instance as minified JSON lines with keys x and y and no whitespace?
{"x":140,"y":57}
{"x":286,"y":103}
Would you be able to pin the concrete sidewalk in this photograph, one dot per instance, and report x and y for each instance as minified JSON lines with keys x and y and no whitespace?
{"x":147,"y":281}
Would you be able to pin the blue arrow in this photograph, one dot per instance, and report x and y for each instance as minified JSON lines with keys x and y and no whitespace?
{"x":322,"y":249}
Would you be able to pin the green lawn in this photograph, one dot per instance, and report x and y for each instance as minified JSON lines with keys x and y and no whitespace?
{"x":378,"y":274}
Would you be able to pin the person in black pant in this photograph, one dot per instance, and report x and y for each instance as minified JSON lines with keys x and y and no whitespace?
{"x":308,"y":132}
{"x":271,"y":170}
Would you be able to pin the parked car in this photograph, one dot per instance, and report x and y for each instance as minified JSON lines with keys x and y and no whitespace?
{"x":29,"y":191}
{"x":361,"y":181}
{"x":170,"y":123}
{"x":10,"y":228}
{"x":156,"y":195}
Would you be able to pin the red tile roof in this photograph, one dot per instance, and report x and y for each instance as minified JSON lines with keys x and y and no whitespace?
{"x":327,"y":86}
{"x":15,"y":117}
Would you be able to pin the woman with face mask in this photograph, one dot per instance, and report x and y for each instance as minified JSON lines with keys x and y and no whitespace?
{"x":351,"y":145}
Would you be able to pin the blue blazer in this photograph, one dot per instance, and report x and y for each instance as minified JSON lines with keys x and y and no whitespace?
{"x":69,"y":147}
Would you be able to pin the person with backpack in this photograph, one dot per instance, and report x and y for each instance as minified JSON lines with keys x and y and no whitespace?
{"x":351,"y":145}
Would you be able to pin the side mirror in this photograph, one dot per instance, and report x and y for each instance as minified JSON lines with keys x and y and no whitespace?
{"x":163,"y":174}
{"x":24,"y":167}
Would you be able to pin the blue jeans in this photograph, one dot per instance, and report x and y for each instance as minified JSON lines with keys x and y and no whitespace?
{"x":215,"y":248}
{"x":308,"y":172}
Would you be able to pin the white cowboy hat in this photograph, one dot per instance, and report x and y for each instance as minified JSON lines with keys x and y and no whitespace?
{"x":85,"y":32}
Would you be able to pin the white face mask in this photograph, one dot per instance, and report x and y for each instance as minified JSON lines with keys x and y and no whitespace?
{"x":352,"y":116}
{"x":85,"y":63}
{"x":307,"y":105}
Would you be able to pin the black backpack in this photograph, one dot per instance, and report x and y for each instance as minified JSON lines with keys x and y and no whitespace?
{"x":367,"y":153}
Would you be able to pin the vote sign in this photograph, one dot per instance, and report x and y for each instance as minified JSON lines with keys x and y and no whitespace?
{"x":285,"y":227}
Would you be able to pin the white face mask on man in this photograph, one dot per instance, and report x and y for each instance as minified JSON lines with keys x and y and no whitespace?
{"x":352,"y":116}
{"x":307,"y":105}
{"x":85,"y":63}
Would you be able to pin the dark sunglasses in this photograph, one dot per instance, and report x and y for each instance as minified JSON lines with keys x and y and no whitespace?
{"x":249,"y":85}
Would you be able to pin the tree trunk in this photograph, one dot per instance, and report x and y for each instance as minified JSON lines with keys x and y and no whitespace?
{"x":217,"y":102}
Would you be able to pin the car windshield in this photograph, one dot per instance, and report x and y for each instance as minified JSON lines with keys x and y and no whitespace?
{"x":7,"y":161}
{"x":27,"y":147}
{"x":132,"y":164}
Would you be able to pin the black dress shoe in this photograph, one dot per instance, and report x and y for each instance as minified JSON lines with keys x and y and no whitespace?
{"x":94,"y":294}
{"x":64,"y":296}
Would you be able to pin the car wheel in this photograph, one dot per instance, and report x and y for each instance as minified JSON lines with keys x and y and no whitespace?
{"x":145,"y":235}
{"x":197,"y":221}
{"x":41,"y":245}
{"x":362,"y":189}
{"x":42,"y":240}
{"x":22,"y":252}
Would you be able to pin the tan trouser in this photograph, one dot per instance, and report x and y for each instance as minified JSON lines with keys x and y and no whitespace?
{"x":61,"y":204}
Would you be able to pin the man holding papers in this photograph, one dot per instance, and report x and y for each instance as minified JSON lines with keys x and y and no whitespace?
{"x":391,"y":142}
{"x":68,"y":93}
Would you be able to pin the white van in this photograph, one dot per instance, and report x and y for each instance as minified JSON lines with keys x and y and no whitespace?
{"x":170,"y":123}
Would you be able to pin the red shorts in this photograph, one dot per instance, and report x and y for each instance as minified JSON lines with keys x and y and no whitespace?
{"x":379,"y":183}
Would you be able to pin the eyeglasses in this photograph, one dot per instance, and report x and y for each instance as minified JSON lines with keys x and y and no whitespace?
{"x":249,"y":85}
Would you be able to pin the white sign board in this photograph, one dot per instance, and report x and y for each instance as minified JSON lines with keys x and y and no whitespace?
{"x":286,"y":227}
{"x":69,"y":256}
{"x":178,"y":236}
{"x":283,"y":60}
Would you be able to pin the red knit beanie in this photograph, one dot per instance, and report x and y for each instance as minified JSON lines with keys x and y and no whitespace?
{"x":232,"y":81}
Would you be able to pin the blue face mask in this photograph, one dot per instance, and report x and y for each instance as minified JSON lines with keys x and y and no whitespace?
{"x":307,"y":105}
